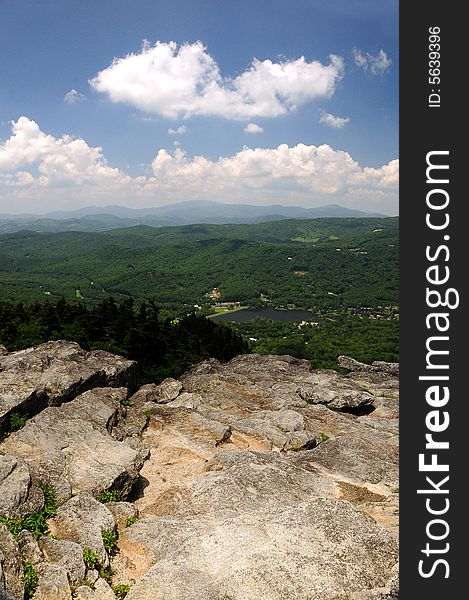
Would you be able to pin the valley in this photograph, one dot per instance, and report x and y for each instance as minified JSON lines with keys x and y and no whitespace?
{"x":340,"y":274}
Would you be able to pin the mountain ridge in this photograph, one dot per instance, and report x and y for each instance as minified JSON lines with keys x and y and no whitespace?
{"x":97,"y":218}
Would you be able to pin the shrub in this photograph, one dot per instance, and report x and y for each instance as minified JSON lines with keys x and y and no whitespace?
{"x":90,"y":558}
{"x":121,"y":590}
{"x":13,"y":525}
{"x":30,"y":580}
{"x":17,"y":421}
{"x":35,"y":523}
{"x":106,"y":574}
{"x":50,"y":503}
{"x":109,"y":496}
{"x":131,"y":521}
{"x":110,"y":542}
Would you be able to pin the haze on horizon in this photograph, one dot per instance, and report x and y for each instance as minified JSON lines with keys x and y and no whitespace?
{"x":144,"y":105}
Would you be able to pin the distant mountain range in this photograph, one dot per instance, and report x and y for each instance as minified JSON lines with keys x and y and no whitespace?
{"x":98,"y":218}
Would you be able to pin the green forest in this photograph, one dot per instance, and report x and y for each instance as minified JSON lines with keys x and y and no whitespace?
{"x":163,"y":348}
{"x":365,"y":339}
{"x":143,"y":291}
{"x":321,"y":263}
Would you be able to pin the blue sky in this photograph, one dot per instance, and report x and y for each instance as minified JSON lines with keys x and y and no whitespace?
{"x":282,"y":129}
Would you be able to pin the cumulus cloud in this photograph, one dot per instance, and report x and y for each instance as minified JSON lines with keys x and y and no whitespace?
{"x":333,"y":121}
{"x":58,"y":160}
{"x":74,"y":97}
{"x":180,"y":82}
{"x":376,"y":65}
{"x":37,"y":168}
{"x":302,"y":168}
{"x":253,"y":128}
{"x":384,"y":177}
{"x":178,"y":131}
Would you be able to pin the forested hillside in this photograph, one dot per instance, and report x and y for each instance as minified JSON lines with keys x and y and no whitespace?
{"x":344,"y":270}
{"x":162,"y":347}
{"x":324,"y":263}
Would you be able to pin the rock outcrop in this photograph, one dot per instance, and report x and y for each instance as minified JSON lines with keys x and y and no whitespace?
{"x":53,"y":373}
{"x":19,"y":493}
{"x":257,"y":479}
{"x":71,"y":447}
{"x":11,"y":572}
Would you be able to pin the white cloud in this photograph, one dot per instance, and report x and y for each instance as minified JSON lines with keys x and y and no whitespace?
{"x":386,"y":176}
{"x":377,"y":65}
{"x":40,"y":170}
{"x":302,"y":168}
{"x":253,"y":128}
{"x":333,"y":121}
{"x":185,"y":81}
{"x":178,"y":131}
{"x":360,"y":59}
{"x":19,"y":178}
{"x":74,"y":97}
{"x":59,"y":161}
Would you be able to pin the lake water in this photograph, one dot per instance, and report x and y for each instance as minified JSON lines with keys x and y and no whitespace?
{"x":247,"y":314}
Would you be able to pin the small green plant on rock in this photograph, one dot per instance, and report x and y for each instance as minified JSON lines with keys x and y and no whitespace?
{"x":18,"y":421}
{"x":131,"y":521}
{"x":109,"y":496}
{"x":14,"y":526}
{"x":30,"y":580}
{"x":110,"y":542}
{"x":126,"y":402}
{"x":324,"y":437}
{"x":15,"y":422}
{"x":121,"y":590}
{"x":50,"y":503}
{"x":35,"y":523}
{"x":90,"y":558}
{"x":106,"y":574}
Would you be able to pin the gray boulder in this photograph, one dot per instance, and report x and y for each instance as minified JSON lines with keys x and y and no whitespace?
{"x":29,"y":548}
{"x":122,"y":512}
{"x":351,"y":364}
{"x":82,"y":519}
{"x":186,"y":400}
{"x":71,"y":447}
{"x":67,"y":554}
{"x":84,"y":592}
{"x":53,"y":583}
{"x":371,"y":457}
{"x":346,"y":362}
{"x":338,"y":397}
{"x":104,"y":590}
{"x":53,"y":373}
{"x":166,"y":391}
{"x":101,"y":591}
{"x":19,"y":493}
{"x":11,"y":567}
{"x":146,"y":393}
{"x":284,"y":553}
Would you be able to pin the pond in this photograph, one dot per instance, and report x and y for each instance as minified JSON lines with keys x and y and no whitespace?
{"x":247,"y":314}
